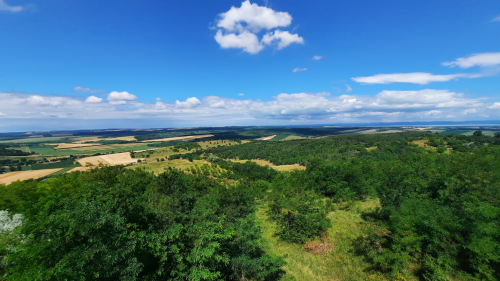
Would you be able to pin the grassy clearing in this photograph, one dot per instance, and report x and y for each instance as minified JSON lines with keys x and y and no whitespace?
{"x":421,"y":143}
{"x":293,"y":137}
{"x":339,"y":264}
{"x":280,"y":137}
{"x":22,"y":148}
{"x":371,"y":148}
{"x":159,"y":167}
{"x":276,"y":167}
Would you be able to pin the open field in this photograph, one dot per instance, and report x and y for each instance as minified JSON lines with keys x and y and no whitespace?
{"x":25,"y":175}
{"x":376,"y":131}
{"x":105,"y":147}
{"x":22,"y":148}
{"x":111,"y":159}
{"x":93,"y":139}
{"x":81,"y":169}
{"x":73,"y":145}
{"x":276,"y":167}
{"x":293,"y":137}
{"x":341,"y":263}
{"x":267,"y":138}
{"x":159,"y":167}
{"x":180,"y":138}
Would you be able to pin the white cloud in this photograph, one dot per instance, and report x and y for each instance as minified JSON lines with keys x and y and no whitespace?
{"x":482,"y":59}
{"x":246,"y":41}
{"x":284,"y":108}
{"x":93,"y":99}
{"x":238,"y":28}
{"x":121,"y":96}
{"x":469,"y":111}
{"x":427,"y":96}
{"x":2,"y":114}
{"x":189,"y":103}
{"x":349,"y":89}
{"x":281,"y":38}
{"x":218,"y":104}
{"x":496,"y":19}
{"x":79,"y":89}
{"x":298,"y":69}
{"x":158,"y":99}
{"x":496,"y":105}
{"x":415,"y":78}
{"x":6,"y":7}
{"x":120,"y":102}
{"x":317,"y":57}
{"x":252,"y":17}
{"x":241,"y":94}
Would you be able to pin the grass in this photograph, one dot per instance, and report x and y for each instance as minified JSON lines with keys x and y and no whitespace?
{"x":159,"y":167}
{"x":339,"y":264}
{"x":276,"y":167}
{"x":22,"y":148}
{"x":280,"y":137}
{"x":293,"y":137}
{"x":28,"y":140}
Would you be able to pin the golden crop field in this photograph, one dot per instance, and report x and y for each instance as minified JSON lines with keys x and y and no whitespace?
{"x":109,"y":159}
{"x":179,"y":138}
{"x":25,"y":175}
{"x":104,"y":147}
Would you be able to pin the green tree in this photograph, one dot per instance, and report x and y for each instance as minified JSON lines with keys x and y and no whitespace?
{"x":478,"y":133}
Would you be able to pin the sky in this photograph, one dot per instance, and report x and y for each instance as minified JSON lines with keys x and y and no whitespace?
{"x":68,"y":64}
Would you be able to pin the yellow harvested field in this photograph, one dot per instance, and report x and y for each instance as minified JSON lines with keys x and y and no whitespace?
{"x":81,"y":169}
{"x":267,"y":138}
{"x":376,"y":131}
{"x":25,"y":175}
{"x":104,"y":147}
{"x":276,"y":167}
{"x":72,"y":145}
{"x":180,"y":138}
{"x":110,"y":159}
{"x":93,"y":139}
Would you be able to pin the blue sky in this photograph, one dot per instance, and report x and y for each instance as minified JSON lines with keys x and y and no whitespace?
{"x":197,"y":63}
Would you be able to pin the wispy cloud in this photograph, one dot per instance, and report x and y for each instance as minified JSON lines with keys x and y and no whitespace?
{"x":487,"y":62}
{"x":241,"y":94}
{"x":482,"y":59}
{"x":79,"y":89}
{"x":238,"y":28}
{"x":317,"y":57}
{"x":349,"y":89}
{"x":496,"y":19}
{"x":7,"y":8}
{"x":298,"y":69}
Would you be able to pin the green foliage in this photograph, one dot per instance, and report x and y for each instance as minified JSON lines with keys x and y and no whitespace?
{"x":117,"y":224}
{"x":5,"y":151}
{"x":300,"y":214}
{"x":478,"y":133}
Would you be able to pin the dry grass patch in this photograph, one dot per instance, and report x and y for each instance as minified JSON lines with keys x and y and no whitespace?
{"x":267,"y":138}
{"x":276,"y":167}
{"x":421,"y":143}
{"x":73,"y":145}
{"x":180,"y":138}
{"x":81,"y":169}
{"x":8,"y":178}
{"x":110,"y":159}
{"x":104,"y":147}
{"x":293,"y":137}
{"x":159,"y":167}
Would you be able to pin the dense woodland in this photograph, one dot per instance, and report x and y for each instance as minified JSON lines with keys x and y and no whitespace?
{"x":438,"y":216}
